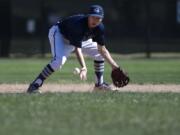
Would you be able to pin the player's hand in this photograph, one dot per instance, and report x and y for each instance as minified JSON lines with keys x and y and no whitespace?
{"x":83,"y":74}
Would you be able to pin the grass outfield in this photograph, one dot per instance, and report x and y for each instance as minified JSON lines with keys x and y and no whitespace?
{"x":96,"y":113}
{"x":141,"y":71}
{"x":90,"y":114}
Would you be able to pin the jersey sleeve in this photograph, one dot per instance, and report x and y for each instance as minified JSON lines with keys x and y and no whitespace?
{"x":99,"y":35}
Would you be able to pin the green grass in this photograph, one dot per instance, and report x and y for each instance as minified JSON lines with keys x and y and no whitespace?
{"x":90,"y":113}
{"x":140,"y":70}
{"x":96,"y":113}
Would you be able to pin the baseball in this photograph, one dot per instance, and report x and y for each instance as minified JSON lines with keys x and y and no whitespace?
{"x":76,"y":71}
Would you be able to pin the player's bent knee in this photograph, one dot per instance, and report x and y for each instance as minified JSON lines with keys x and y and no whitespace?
{"x":58,"y":63}
{"x":99,"y":58}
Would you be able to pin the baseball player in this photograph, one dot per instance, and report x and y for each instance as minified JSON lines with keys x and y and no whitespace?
{"x":83,"y":34}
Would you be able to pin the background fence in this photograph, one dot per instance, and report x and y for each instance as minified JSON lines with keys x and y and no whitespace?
{"x":132,"y":26}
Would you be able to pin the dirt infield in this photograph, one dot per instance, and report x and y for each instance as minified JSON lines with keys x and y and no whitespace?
{"x":21,"y":88}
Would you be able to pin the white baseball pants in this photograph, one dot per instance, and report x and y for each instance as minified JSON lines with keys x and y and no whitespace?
{"x":61,"y":49}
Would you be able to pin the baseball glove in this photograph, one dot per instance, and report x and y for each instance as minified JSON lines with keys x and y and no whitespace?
{"x":119,"y":77}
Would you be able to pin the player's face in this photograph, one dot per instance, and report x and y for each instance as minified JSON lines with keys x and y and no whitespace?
{"x":94,"y":21}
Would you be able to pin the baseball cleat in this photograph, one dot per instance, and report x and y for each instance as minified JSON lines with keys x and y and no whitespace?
{"x":33,"y":88}
{"x":104,"y":86}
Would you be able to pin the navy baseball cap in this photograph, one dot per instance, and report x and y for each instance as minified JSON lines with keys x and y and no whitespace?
{"x":96,"y":10}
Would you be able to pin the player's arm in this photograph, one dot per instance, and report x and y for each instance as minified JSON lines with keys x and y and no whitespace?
{"x":81,"y":60}
{"x":100,"y":39}
{"x":80,"y":57}
{"x":107,"y":56}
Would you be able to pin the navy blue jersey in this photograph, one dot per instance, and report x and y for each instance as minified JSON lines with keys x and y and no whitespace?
{"x":75,"y":29}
